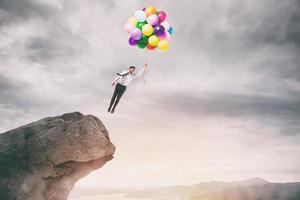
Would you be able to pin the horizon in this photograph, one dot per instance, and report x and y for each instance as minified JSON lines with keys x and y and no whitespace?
{"x":141,"y":187}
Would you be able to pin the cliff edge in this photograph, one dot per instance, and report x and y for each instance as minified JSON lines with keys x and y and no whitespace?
{"x":43,"y":160}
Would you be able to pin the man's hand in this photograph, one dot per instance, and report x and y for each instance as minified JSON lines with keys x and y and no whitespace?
{"x":113,"y":83}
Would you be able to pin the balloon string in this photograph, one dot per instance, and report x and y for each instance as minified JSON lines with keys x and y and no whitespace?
{"x":146,"y":62}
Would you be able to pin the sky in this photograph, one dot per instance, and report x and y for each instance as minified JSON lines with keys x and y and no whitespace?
{"x":222,"y":104}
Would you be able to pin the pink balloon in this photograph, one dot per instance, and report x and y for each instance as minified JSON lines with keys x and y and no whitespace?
{"x":162,"y":16}
{"x":128,"y":27}
{"x":136,"y":33}
{"x":152,"y":20}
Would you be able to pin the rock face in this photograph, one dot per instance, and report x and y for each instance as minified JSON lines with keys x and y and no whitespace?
{"x":44,"y":159}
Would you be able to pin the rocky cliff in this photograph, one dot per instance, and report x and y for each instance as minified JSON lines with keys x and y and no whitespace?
{"x":44,"y":159}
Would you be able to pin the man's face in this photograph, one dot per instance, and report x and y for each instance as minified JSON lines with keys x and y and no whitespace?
{"x":132,"y":70}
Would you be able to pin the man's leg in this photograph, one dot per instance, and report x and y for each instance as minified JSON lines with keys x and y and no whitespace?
{"x":121,"y":92}
{"x":113,"y":98}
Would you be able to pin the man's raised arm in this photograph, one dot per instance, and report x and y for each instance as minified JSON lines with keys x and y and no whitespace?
{"x":141,"y":71}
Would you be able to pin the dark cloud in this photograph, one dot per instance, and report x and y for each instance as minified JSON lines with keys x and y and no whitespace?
{"x":11,"y":93}
{"x":293,"y":32}
{"x":47,"y":49}
{"x":280,"y":70}
{"x":19,"y":10}
{"x":56,"y":43}
{"x":5,"y":84}
{"x":42,"y":49}
{"x":281,"y":111}
{"x":231,"y":31}
{"x":216,"y":30}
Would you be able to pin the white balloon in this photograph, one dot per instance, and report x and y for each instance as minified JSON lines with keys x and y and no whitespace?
{"x":166,"y":25}
{"x":140,"y":15}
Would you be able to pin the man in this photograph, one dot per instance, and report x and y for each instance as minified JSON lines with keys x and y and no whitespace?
{"x":122,"y":81}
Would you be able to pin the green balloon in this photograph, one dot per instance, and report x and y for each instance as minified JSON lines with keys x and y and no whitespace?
{"x":145,"y":39}
{"x":142,"y":44}
{"x":140,"y":25}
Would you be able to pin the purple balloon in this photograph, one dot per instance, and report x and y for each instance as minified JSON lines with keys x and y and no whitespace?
{"x":159,"y":30}
{"x":136,"y":34}
{"x":132,"y":41}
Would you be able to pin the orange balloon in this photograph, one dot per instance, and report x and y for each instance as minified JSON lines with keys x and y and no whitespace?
{"x":150,"y":10}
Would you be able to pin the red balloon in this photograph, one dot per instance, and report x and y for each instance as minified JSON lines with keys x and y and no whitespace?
{"x":150,"y":47}
{"x":162,"y":16}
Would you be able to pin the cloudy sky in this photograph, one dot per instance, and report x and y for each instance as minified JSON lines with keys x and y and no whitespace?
{"x":222,"y":104}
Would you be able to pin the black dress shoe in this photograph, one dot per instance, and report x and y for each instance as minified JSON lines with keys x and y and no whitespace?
{"x":112,"y":111}
{"x":108,"y":110}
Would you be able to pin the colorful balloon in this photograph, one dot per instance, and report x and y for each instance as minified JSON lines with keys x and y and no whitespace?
{"x":132,"y":42}
{"x":147,"y":29}
{"x":140,"y":25}
{"x":144,"y":39}
{"x":163,"y":45}
{"x":140,"y":16}
{"x":150,"y":10}
{"x":165,"y":36}
{"x":170,"y":30}
{"x":162,"y":16}
{"x":159,"y":30}
{"x":153,"y":40}
{"x":136,"y":34}
{"x":133,"y":21}
{"x":150,"y":47}
{"x":153,"y":19}
{"x":128,"y":27}
{"x":141,"y":44}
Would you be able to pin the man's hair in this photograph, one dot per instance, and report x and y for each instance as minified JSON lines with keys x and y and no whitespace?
{"x":132,"y":67}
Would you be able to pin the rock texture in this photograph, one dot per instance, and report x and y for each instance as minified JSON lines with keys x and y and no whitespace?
{"x":44,"y":159}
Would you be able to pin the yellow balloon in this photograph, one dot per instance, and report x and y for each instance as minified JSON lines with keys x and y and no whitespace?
{"x":133,"y":21}
{"x":147,"y":29}
{"x":153,"y":40}
{"x":150,"y":10}
{"x":163,"y":45}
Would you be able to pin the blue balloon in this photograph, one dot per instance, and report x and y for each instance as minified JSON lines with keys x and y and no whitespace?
{"x":170,"y":30}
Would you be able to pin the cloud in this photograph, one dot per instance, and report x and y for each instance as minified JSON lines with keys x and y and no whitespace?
{"x":14,"y":11}
{"x":282,"y":113}
{"x":235,"y":105}
{"x":10,"y":91}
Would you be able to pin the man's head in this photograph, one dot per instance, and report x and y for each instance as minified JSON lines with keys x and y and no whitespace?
{"x":132,"y":69}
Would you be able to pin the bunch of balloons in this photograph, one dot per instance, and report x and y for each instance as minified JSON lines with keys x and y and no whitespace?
{"x":149,"y":29}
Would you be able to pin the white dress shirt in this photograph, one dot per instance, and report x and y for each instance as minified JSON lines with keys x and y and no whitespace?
{"x":125,"y":77}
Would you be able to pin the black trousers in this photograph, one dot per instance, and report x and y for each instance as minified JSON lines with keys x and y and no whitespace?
{"x":119,"y":91}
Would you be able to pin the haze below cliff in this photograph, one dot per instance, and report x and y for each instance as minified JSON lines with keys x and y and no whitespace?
{"x":251,"y":189}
